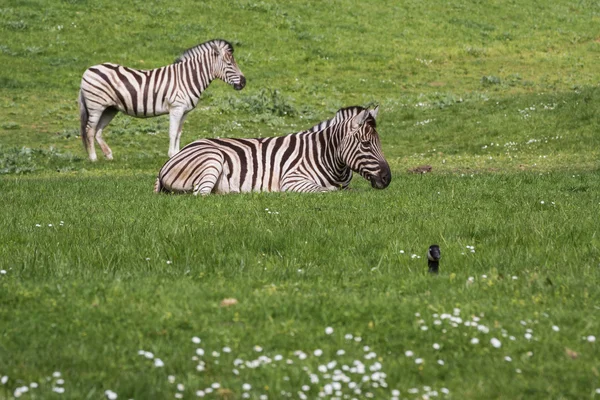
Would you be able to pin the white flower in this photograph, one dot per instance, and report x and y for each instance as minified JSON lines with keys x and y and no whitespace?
{"x":180,"y":387}
{"x":33,"y":385}
{"x":340,"y":352}
{"x":395,"y":393}
{"x":200,"y":393}
{"x":305,"y":388}
{"x":541,"y":201}
{"x":258,"y":349}
{"x":528,"y":336}
{"x":278,"y":357}
{"x":515,"y":277}
{"x":441,"y":362}
{"x":216,"y":385}
{"x":58,"y":389}
{"x":475,"y":341}
{"x":424,"y":328}
{"x":56,"y":374}
{"x":226,"y":349}
{"x":445,"y":390}
{"x":148,"y":355}
{"x":60,"y":381}
{"x":555,"y":328}
{"x":110,"y":395}
{"x":169,"y":262}
{"x":496,"y":343}
{"x":418,"y":361}
{"x":357,"y":339}
{"x":436,"y":346}
{"x":196,"y":339}
{"x":408,"y":353}
{"x":200,"y":351}
{"x":178,"y":396}
{"x":2,"y":272}
{"x":318,"y":352}
{"x":246,"y":386}
{"x":348,"y":336}
{"x":329,"y":330}
{"x":507,"y":358}
{"x":158,"y":363}
{"x":171,"y":378}
{"x":591,"y":338}
{"x":4,"y":379}
{"x":215,"y":354}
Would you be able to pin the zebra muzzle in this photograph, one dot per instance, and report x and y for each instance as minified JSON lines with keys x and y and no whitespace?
{"x":383,"y":179}
{"x":241,"y":84}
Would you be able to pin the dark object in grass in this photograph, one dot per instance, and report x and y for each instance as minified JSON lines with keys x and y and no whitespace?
{"x":421,"y":169}
{"x":433,"y":258}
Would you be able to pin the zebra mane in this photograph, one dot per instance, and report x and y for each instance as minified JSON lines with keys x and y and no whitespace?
{"x":341,"y":115}
{"x":195,"y":51}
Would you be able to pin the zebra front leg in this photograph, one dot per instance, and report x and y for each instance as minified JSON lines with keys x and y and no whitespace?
{"x":175,"y":117}
{"x":177,"y":141}
{"x":302,"y":185}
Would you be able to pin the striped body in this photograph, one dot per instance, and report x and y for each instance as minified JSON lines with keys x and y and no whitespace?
{"x":174,"y":89}
{"x":145,"y":93}
{"x":317,"y":160}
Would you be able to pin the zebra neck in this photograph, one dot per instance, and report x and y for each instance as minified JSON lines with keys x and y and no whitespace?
{"x":196,"y":74}
{"x":328,"y":142}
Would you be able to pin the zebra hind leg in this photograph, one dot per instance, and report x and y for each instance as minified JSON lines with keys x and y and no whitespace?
{"x":208,"y":180}
{"x":105,"y":119}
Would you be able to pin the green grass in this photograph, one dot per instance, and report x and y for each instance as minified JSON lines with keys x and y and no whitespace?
{"x":500,"y":98}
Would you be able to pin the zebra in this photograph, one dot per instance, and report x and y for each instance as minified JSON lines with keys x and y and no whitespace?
{"x":319,"y":159}
{"x":174,"y":89}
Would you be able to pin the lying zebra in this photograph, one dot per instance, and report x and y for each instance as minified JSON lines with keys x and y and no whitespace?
{"x":320,"y":159}
{"x":174,"y":89}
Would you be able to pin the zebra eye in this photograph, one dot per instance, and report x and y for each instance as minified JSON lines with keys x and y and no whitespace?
{"x":366,"y":143}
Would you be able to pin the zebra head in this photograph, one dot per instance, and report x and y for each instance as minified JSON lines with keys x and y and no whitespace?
{"x":224,"y":65}
{"x":361,"y":149}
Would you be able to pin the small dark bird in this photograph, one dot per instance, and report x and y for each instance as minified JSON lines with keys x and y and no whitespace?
{"x":433,"y":258}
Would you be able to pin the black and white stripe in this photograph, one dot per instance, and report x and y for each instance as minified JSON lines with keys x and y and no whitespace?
{"x":174,"y":89}
{"x":316,"y":160}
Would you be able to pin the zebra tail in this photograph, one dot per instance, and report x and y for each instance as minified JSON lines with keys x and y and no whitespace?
{"x":84,"y":116}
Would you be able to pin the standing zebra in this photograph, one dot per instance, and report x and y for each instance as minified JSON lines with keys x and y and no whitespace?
{"x":174,"y":89}
{"x":320,"y":159}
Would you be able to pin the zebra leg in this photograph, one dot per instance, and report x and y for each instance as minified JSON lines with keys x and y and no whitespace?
{"x":177,"y":141}
{"x":105,"y":119}
{"x":302,"y":185}
{"x":94,"y":117}
{"x":175,"y":117}
{"x":208,"y":179}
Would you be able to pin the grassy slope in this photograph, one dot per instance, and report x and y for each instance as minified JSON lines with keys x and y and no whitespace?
{"x":82,"y":298}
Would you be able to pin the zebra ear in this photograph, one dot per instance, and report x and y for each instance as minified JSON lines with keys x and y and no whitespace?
{"x":361,"y":118}
{"x":374,"y":112}
{"x":216,"y":49}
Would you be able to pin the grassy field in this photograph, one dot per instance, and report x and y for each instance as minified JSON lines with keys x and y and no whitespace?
{"x":105,"y":286}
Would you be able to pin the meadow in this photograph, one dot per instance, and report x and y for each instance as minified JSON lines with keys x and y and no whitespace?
{"x":110,"y":291}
